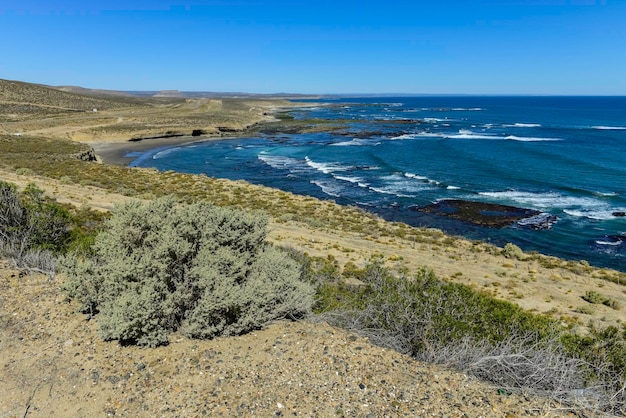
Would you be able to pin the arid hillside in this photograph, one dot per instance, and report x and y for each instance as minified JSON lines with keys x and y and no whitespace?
{"x":55,"y":363}
{"x":29,"y":109}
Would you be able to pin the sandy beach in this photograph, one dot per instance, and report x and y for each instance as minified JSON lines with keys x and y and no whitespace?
{"x":123,"y":153}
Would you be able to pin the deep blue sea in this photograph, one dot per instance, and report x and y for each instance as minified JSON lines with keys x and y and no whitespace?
{"x":561,"y":155}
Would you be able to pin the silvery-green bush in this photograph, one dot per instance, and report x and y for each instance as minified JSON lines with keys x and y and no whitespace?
{"x":200,"y":269}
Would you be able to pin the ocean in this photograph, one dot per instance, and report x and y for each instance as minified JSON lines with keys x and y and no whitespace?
{"x":565,"y":156}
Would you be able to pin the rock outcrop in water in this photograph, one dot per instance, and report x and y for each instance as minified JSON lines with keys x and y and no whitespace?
{"x":490,"y":215}
{"x":541,"y":221}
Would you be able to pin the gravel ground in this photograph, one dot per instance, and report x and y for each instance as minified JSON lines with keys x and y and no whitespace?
{"x":54,"y":363}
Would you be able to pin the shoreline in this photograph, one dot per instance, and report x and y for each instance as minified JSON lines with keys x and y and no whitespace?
{"x":118,"y":153}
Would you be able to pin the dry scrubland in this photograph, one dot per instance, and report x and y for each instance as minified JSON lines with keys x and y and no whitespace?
{"x":52,"y":357}
{"x":29,"y":109}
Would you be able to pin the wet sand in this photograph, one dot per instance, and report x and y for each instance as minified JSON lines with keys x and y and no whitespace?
{"x":123,"y":153}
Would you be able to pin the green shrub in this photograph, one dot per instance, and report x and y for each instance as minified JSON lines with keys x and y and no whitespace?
{"x":48,"y":223}
{"x":13,"y":219}
{"x":513,"y":251}
{"x":24,"y":171}
{"x":31,"y":228}
{"x":597,"y":298}
{"x":586,"y":310}
{"x":204,"y":270}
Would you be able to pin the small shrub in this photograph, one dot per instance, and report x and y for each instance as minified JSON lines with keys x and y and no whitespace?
{"x":24,"y":172}
{"x":586,"y":310}
{"x":513,"y":251}
{"x":204,"y":270}
{"x":594,"y":297}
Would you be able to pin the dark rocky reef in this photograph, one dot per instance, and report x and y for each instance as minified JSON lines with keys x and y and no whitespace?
{"x":489,"y":215}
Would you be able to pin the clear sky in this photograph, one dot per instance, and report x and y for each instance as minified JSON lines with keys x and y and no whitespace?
{"x":322,"y":46}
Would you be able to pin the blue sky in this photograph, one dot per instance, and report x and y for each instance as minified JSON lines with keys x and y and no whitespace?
{"x":323,"y":46}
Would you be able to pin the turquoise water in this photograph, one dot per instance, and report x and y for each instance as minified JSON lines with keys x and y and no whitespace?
{"x":562,"y":155}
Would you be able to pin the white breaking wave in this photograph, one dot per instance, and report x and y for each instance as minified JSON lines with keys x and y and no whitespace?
{"x":420,"y":135}
{"x":457,"y":109}
{"x":614,"y":243}
{"x":580,"y":207}
{"x":165,"y":153}
{"x":389,"y":191}
{"x":530,"y":139}
{"x":467,"y":134}
{"x":403,"y":186}
{"x":279,"y":162}
{"x":355,"y":180}
{"x":610,"y":128}
{"x":545,"y":200}
{"x":427,"y":180}
{"x":606,"y":194}
{"x":415,"y":176}
{"x":421,"y":178}
{"x":600,"y":214}
{"x":328,"y":188}
{"x":523,"y":125}
{"x":356,"y":142}
{"x":326,"y":168}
